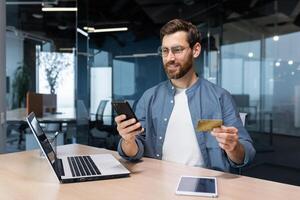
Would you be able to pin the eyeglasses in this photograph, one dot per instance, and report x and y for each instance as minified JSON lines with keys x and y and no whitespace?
{"x":176,"y":50}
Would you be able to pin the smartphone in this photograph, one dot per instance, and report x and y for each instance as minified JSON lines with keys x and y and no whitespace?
{"x":197,"y":186}
{"x":123,"y":108}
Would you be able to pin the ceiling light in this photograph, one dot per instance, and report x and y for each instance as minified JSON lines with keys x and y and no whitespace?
{"x":275,"y":38}
{"x":67,"y":49}
{"x":188,"y":2}
{"x":93,"y":30}
{"x":89,"y":29}
{"x":62,"y":27}
{"x":82,"y":32}
{"x":290,"y":62}
{"x":23,"y":2}
{"x":37,"y":16}
{"x":250,"y":54}
{"x":59,"y":9}
{"x":277,"y":64}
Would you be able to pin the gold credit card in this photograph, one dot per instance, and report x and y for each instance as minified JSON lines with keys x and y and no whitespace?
{"x":208,"y":124}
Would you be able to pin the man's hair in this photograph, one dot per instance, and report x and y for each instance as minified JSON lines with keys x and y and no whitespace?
{"x":176,"y":25}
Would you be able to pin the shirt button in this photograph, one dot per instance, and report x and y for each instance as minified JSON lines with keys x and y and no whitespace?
{"x":157,"y":155}
{"x":172,"y":101}
{"x":165,"y":119}
{"x":172,"y":87}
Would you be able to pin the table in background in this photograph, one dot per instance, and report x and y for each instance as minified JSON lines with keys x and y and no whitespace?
{"x":63,"y":115}
{"x":17,"y":117}
{"x":26,"y":175}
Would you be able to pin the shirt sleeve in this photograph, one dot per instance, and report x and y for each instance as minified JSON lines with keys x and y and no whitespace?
{"x":231,"y":118}
{"x":135,"y":158}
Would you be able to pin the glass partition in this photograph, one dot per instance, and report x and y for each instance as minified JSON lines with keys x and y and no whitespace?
{"x":40,"y":58}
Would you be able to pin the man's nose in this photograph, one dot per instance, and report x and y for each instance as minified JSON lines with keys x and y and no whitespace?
{"x":170,"y":56}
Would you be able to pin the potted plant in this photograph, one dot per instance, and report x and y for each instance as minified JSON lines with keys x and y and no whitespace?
{"x":20,"y":85}
{"x":52,"y":64}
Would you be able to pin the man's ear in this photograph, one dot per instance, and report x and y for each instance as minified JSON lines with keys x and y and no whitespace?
{"x":196,"y":50}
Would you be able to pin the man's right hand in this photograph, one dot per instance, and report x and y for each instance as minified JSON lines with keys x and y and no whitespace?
{"x":128,"y":129}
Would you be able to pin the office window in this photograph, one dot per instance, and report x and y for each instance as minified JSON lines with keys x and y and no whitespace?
{"x":101,"y":88}
{"x":241,"y":69}
{"x":282,"y":72}
{"x":56,"y":73}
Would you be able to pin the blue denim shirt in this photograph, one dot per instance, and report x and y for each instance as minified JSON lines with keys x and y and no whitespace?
{"x":206,"y":101}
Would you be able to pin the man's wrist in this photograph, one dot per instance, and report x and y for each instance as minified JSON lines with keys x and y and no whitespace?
{"x":128,"y":141}
{"x":129,"y":147}
{"x":237,"y":154}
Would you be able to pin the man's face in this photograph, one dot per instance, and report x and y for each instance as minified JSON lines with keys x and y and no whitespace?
{"x":177,"y":55}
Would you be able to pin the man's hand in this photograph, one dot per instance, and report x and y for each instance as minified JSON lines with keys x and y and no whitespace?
{"x":228,"y":140}
{"x":128,"y":129}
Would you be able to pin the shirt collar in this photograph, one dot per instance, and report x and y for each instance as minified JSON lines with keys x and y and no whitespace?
{"x":172,"y":88}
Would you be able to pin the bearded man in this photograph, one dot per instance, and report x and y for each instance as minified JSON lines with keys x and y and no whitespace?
{"x":168,"y":113}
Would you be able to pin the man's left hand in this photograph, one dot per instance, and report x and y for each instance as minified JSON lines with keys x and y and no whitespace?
{"x":228,"y":139}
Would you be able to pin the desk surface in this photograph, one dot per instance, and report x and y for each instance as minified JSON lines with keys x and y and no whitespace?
{"x":25,"y":175}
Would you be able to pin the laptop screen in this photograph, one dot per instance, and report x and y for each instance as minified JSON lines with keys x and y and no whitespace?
{"x":43,"y":141}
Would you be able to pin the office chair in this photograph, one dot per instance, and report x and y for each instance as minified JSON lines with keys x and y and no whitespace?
{"x":82,"y":123}
{"x":99,"y":132}
{"x":243,"y":118}
{"x":20,"y":128}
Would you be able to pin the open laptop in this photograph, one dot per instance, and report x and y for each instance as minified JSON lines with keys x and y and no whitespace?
{"x":69,"y":169}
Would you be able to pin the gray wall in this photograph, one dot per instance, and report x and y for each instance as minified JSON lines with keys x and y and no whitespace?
{"x":2,"y":76}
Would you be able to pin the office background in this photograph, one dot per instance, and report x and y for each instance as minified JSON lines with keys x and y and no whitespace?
{"x":248,"y":47}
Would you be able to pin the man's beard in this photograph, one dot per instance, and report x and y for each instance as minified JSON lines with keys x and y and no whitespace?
{"x":180,"y":70}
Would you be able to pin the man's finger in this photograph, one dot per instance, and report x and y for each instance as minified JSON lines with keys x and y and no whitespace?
{"x":229,"y":129}
{"x":132,"y":128}
{"x":132,"y":134}
{"x":127,"y":123}
{"x":120,"y":118}
{"x":224,"y":129}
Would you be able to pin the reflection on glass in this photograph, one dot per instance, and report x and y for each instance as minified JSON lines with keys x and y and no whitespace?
{"x":124,"y":72}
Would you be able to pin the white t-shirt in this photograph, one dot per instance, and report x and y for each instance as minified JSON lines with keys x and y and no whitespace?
{"x":180,"y":144}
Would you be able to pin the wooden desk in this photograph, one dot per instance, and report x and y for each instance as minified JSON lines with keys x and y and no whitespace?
{"x":25,"y":175}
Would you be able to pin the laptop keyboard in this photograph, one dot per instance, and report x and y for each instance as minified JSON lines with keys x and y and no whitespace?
{"x":83,"y":166}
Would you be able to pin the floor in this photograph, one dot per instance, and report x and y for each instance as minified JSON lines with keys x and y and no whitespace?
{"x":278,"y":162}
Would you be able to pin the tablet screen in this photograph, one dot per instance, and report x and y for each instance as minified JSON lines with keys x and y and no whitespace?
{"x":197,"y":185}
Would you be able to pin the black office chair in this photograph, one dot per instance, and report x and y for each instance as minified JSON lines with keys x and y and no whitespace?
{"x":99,"y":118}
{"x":20,"y":128}
{"x":100,"y":134}
{"x":82,"y":123}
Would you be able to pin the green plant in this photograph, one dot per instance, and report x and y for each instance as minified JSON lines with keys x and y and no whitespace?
{"x":20,"y":85}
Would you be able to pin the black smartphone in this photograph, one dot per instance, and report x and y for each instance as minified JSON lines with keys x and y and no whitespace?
{"x":123,"y":107}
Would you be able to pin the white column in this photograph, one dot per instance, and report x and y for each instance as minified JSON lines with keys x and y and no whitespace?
{"x":2,"y":76}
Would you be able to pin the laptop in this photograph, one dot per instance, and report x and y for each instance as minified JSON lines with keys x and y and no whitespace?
{"x":78,"y":168}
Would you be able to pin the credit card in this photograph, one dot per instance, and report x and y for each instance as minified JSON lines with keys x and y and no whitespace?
{"x":205,"y":125}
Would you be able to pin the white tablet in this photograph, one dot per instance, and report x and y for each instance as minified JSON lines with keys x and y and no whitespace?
{"x":198,"y":186}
